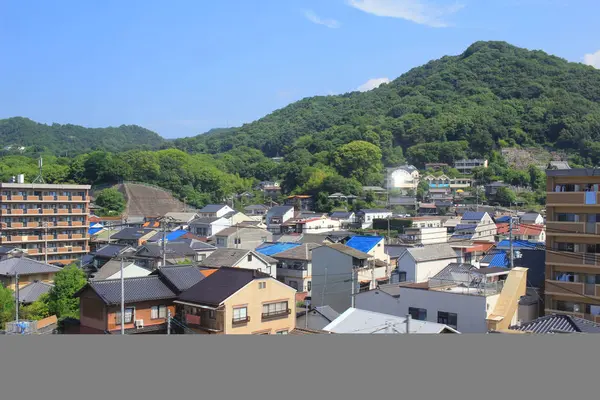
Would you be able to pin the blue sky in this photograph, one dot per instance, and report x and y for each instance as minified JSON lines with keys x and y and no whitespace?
{"x":182,"y":67}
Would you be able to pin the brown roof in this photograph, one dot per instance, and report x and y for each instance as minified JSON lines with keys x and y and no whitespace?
{"x":302,"y":252}
{"x":303,"y":331}
{"x":342,"y":248}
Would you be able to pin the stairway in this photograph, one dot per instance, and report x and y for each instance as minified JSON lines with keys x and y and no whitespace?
{"x":508,"y":302}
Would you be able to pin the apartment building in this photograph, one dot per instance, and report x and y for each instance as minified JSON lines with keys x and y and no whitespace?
{"x":466,"y":166}
{"x":573,"y":243}
{"x":45,"y":221}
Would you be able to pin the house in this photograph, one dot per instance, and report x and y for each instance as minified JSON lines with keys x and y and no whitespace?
{"x":182,"y":277}
{"x":425,"y":222}
{"x":209,"y":226}
{"x":372,"y":245}
{"x":148,"y":302}
{"x":214,"y":210}
{"x":168,"y":236}
{"x":25,"y":270}
{"x":346,"y":218}
{"x":238,"y":301}
{"x":112,"y":270}
{"x":403,"y":178}
{"x":278,"y":215}
{"x":242,"y":237}
{"x":300,"y":202}
{"x":466,"y":298}
{"x":32,"y":292}
{"x":533,"y":233}
{"x":367,"y":215}
{"x":94,"y":262}
{"x":180,"y":219}
{"x":313,"y":224}
{"x":475,"y":225}
{"x":466,"y":166}
{"x":357,"y":321}
{"x":444,"y":182}
{"x":419,"y":263}
{"x":339,"y":271}
{"x":558,"y":323}
{"x":271,"y":189}
{"x":294,"y":266}
{"x":7,"y":252}
{"x":408,"y":202}
{"x":492,"y":188}
{"x":240,"y":258}
{"x":532,"y":218}
{"x":315,"y":318}
{"x":425,"y":236}
{"x":427,"y":209}
{"x":255,"y":210}
{"x":133,"y":236}
{"x":150,"y":255}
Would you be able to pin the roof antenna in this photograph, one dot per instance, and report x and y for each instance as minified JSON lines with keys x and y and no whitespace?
{"x":40,"y":177}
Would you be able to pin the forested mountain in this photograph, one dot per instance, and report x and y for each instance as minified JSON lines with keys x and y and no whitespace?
{"x":73,"y":139}
{"x":492,"y":95}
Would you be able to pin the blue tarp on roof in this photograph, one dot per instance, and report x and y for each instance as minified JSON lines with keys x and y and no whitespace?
{"x":363,"y":243}
{"x":473,"y":215}
{"x":499,"y":260}
{"x":171,"y":236}
{"x":519,"y":244}
{"x":276,"y":248}
{"x":469,"y":236}
{"x":95,"y":228}
{"x":489,"y":256}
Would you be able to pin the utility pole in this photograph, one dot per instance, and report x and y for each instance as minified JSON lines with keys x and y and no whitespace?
{"x":353,"y":295}
{"x":373,"y":281}
{"x":164,"y":243}
{"x":17,"y":297}
{"x":168,"y":321}
{"x":408,"y":317}
{"x":46,"y":242}
{"x":510,"y":240}
{"x":306,"y":314}
{"x":122,"y":299}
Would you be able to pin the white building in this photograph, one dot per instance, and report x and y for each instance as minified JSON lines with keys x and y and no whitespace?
{"x":532,"y":218}
{"x":277,"y":216}
{"x":475,"y":225}
{"x":240,"y":258}
{"x":418,"y":264}
{"x":466,"y":166}
{"x":464,"y":297}
{"x":367,"y":215}
{"x":214,"y":210}
{"x":209,"y":226}
{"x":426,"y":235}
{"x":346,"y":218}
{"x":404,"y":178}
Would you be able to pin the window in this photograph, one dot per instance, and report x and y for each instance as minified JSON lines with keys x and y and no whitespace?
{"x":565,"y":247}
{"x":212,"y":314}
{"x":401,"y":276}
{"x":309,"y":285}
{"x":128,"y":316}
{"x":446,"y":318}
{"x":566,"y":217}
{"x":154,"y":312}
{"x":162,"y":311}
{"x":249,"y":257}
{"x":221,"y":241}
{"x":275,"y":310}
{"x":281,"y":332}
{"x":418,"y":313}
{"x":237,"y":241}
{"x":240,"y":315}
{"x":262,"y":285}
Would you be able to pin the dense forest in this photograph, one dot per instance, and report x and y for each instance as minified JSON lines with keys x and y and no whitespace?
{"x":490,"y":97}
{"x":72,"y":139}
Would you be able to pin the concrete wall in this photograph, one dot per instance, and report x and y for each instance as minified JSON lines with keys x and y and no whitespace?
{"x":332,"y":279}
{"x":422,"y":271}
{"x":315,"y":321}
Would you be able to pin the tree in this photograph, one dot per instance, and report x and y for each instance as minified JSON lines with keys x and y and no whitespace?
{"x":537,"y":179}
{"x":7,"y":305}
{"x":323,"y":203}
{"x":111,"y":200}
{"x":422,"y":189}
{"x":358,"y":159}
{"x":505,"y":196}
{"x":37,"y":310}
{"x":61,"y":299}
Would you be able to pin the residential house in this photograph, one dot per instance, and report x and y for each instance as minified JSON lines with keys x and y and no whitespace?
{"x":112,"y":270}
{"x":403,"y":178}
{"x":492,"y":188}
{"x":425,"y":236}
{"x":558,"y":323}
{"x":168,"y":236}
{"x":367,"y":215}
{"x":346,"y":218}
{"x":133,"y":236}
{"x":278,"y":215}
{"x":214,"y":210}
{"x":7,"y":252}
{"x":314,"y":224}
{"x":444,"y":182}
{"x":150,"y":255}
{"x":242,"y":237}
{"x":419,"y":263}
{"x":372,"y":245}
{"x":466,"y":298}
{"x":339,"y":271}
{"x":238,"y":301}
{"x":475,"y":225}
{"x":427,"y":209}
{"x":33,"y":291}
{"x":532,"y":218}
{"x":426,"y":222}
{"x":300,"y":202}
{"x":357,"y":321}
{"x":466,"y":166}
{"x":180,"y":220}
{"x":315,"y":318}
{"x":148,"y":301}
{"x":294,"y":266}
{"x":256,"y":210}
{"x":270,"y":188}
{"x":241,"y":258}
{"x":532,"y":233}
{"x":25,"y":270}
{"x":209,"y":226}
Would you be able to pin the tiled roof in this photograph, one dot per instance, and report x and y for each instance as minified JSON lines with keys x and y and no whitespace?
{"x":113,"y":267}
{"x":232,"y":230}
{"x":254,"y":207}
{"x":181,"y":216}
{"x":276,"y":248}
{"x":558,"y":323}
{"x":375,"y":210}
{"x":473,"y":215}
{"x":171,"y":236}
{"x":303,"y":331}
{"x":364,"y":243}
{"x":432,"y":252}
{"x":136,"y":290}
{"x":220,"y":285}
{"x":110,"y":250}
{"x":500,"y":259}
{"x":341,"y":214}
{"x":302,"y":252}
{"x":205,"y":220}
{"x":131,"y":233}
{"x":173,"y":249}
{"x":279,"y":211}
{"x":33,"y":291}
{"x":224,"y":258}
{"x":502,"y":219}
{"x":520,"y":244}
{"x":212,"y":208}
{"x":342,"y":248}
{"x":394,"y":251}
{"x":182,"y":277}
{"x":461,"y":227}
{"x":25,"y":266}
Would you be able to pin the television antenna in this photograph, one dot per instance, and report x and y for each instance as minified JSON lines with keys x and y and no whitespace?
{"x":40,"y":177}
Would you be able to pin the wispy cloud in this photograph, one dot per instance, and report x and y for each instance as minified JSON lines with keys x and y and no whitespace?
{"x":592,"y":59}
{"x":418,"y":11}
{"x":372,"y":84}
{"x":314,"y":18}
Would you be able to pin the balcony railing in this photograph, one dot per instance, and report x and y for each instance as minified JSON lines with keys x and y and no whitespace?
{"x":565,"y":288}
{"x":276,"y":315}
{"x":44,"y":211}
{"x":17,"y":198}
{"x":240,"y":321}
{"x":564,"y":257}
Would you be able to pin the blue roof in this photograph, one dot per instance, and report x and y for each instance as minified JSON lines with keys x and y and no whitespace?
{"x":505,"y":218}
{"x":473,"y":215}
{"x":363,"y":243}
{"x":490,"y":256}
{"x":499,"y":260}
{"x":469,"y":236}
{"x":520,"y":244}
{"x":465,"y":226}
{"x":93,"y":231}
{"x":171,"y":236}
{"x":276,"y":248}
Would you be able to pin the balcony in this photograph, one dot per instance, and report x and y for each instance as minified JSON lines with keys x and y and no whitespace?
{"x":276,"y":315}
{"x":549,"y":311}
{"x":240,"y":321}
{"x":565,"y":288}
{"x":292,"y":272}
{"x":560,"y":228}
{"x":565,"y":198}
{"x":580,"y":259}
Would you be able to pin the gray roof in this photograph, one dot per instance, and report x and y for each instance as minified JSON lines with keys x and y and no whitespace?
{"x":181,"y":277}
{"x":205,"y":220}
{"x":212,"y":208}
{"x":110,"y":250}
{"x":279,"y":211}
{"x":430,"y":252}
{"x":30,"y":293}
{"x":459,"y":273}
{"x":6,"y":249}
{"x":358,"y":321}
{"x":182,"y":216}
{"x":326,"y":311}
{"x":196,"y":244}
{"x":293,"y":238}
{"x":394,"y":251}
{"x":530,"y":216}
{"x":136,"y":289}
{"x":375,"y":210}
{"x":393,"y":289}
{"x":559,"y":165}
{"x":558,"y":323}
{"x":229,"y":258}
{"x":302,"y":252}
{"x":173,"y":249}
{"x":25,"y":266}
{"x":131,"y":233}
{"x":342,"y":248}
{"x":232,"y":230}
{"x":341,"y":214}
{"x":254,"y":207}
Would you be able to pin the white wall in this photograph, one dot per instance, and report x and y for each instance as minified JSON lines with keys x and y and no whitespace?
{"x":131,"y":271}
{"x":422,"y":271}
{"x":224,"y":211}
{"x":470,"y":310}
{"x":257,"y":264}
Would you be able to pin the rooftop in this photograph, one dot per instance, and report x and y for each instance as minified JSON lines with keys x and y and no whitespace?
{"x":364,"y":243}
{"x":276,"y":248}
{"x":342,"y":248}
{"x":232,"y":230}
{"x":212,"y":208}
{"x":136,"y":289}
{"x":279,"y":211}
{"x":558,"y":323}
{"x":430,"y":252}
{"x":25,"y":266}
{"x":181,"y":277}
{"x":181,"y":216}
{"x":302,"y":252}
{"x":33,"y":291}
{"x":131,"y":233}
{"x":473,"y":215}
{"x":224,"y":257}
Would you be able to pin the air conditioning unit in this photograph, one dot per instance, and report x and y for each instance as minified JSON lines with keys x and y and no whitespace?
{"x":139,"y":323}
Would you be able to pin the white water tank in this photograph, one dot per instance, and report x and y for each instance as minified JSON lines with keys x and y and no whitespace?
{"x":21,"y":178}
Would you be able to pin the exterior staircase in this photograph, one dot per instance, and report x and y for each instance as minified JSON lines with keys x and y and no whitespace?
{"x":508,"y":302}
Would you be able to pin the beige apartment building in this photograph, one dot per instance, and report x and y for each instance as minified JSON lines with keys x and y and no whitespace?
{"x":48,"y":222}
{"x":573,"y":243}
